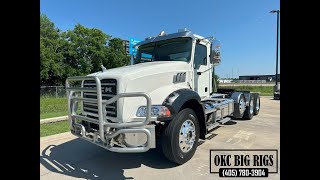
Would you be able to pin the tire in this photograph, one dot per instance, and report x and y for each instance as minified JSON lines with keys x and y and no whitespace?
{"x":257,"y":105}
{"x":248,"y":113}
{"x":172,"y":147}
{"x":238,"y":108}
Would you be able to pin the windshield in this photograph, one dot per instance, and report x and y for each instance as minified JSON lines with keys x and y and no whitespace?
{"x":178,"y":49}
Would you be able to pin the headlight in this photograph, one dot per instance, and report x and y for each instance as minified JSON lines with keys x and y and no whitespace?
{"x":156,"y":111}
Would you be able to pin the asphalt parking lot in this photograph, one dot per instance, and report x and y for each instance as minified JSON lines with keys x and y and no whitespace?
{"x":65,"y":156}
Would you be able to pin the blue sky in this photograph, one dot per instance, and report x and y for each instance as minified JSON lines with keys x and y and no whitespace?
{"x":245,"y":28}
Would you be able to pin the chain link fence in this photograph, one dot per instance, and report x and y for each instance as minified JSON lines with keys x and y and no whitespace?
{"x":52,"y":91}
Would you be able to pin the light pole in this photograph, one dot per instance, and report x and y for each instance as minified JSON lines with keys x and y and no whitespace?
{"x":276,"y":88}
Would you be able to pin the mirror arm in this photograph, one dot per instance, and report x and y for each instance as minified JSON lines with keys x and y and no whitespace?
{"x":199,"y":72}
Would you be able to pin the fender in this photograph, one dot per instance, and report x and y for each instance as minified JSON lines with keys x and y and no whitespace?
{"x":247,"y":96}
{"x":175,"y":100}
{"x":236,"y":97}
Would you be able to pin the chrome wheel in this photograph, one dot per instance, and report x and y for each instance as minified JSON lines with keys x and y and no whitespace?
{"x":187,"y":136}
{"x":251,"y":107}
{"x":242,"y":105}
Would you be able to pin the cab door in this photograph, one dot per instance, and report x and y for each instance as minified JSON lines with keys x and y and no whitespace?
{"x":202,"y":71}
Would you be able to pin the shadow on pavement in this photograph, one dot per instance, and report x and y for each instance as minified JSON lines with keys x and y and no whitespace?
{"x":80,"y":159}
{"x":231,"y":122}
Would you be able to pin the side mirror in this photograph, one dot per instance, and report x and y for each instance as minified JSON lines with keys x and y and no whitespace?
{"x":215,"y":58}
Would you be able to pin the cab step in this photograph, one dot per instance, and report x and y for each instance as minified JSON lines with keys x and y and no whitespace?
{"x":223,"y":121}
{"x":212,"y":126}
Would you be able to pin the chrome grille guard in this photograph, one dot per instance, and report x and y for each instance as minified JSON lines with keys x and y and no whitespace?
{"x":102,"y":116}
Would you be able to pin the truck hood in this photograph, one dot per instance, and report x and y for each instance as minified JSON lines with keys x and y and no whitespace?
{"x":142,"y":69}
{"x":153,"y":78}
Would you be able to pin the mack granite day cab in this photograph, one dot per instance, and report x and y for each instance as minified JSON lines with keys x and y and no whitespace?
{"x":164,"y":99}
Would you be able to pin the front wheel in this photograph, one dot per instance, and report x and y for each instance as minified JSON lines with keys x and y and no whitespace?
{"x":180,"y":138}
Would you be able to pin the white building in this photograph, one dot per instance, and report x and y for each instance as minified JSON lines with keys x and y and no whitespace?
{"x":224,"y":80}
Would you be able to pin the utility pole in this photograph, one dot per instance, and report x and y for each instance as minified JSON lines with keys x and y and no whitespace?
{"x":232,"y":73}
{"x":276,"y":87}
{"x":238,"y":73}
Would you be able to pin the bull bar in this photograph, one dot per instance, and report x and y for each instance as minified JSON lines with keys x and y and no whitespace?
{"x":79,"y":130}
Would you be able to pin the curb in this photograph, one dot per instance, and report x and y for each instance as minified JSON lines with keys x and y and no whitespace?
{"x":55,"y":119}
{"x":55,"y":137}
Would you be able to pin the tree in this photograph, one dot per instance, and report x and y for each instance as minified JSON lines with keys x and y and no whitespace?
{"x":76,"y":52}
{"x":85,"y":50}
{"x":51,"y":57}
{"x":116,"y":54}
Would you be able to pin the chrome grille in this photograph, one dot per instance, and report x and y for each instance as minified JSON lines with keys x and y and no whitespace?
{"x":108,"y":90}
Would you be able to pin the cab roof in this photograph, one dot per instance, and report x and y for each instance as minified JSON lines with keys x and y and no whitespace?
{"x":162,"y":36}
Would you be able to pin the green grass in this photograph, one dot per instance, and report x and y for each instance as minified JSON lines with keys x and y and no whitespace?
{"x":52,"y":104}
{"x":53,"y":107}
{"x":266,"y":94}
{"x":264,"y":90}
{"x":54,"y":128}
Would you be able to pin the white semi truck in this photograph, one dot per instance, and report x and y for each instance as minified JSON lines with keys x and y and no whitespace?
{"x":165,"y":99}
